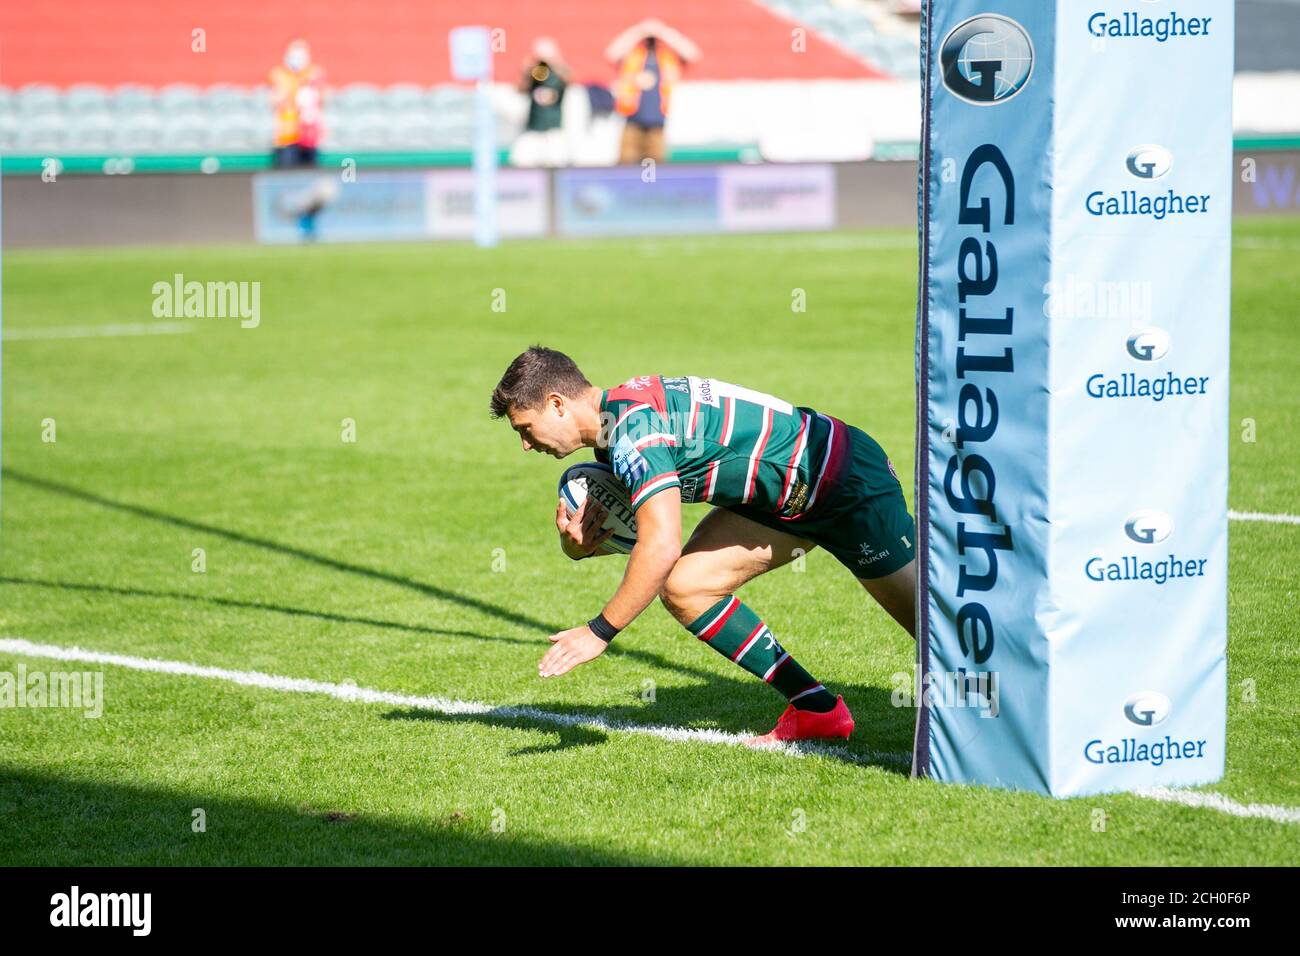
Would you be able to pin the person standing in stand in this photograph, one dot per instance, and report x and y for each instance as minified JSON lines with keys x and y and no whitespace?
{"x":650,"y":57}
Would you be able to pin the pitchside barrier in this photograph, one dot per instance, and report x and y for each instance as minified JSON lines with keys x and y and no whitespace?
{"x":1072,"y":365}
{"x":146,"y":208}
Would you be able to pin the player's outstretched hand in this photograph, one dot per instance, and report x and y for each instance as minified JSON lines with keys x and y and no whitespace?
{"x":570,"y":648}
{"x":582,"y":534}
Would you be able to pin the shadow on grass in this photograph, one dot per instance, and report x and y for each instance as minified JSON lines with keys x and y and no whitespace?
{"x":645,"y":657}
{"x":748,"y":708}
{"x":429,"y":590}
{"x":727,"y":703}
{"x":51,"y":821}
{"x":569,"y":736}
{"x":257,"y":606}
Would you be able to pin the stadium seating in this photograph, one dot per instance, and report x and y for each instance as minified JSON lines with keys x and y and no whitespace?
{"x":182,"y":118}
{"x":871,"y":29}
{"x":82,"y":103}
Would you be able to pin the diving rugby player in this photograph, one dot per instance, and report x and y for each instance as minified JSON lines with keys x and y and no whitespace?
{"x":783,"y":479}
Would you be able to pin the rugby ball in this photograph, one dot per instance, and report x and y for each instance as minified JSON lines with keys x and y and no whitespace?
{"x":595,"y":478}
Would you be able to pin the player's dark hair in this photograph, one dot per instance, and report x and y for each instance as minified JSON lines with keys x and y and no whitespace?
{"x":532,"y":376}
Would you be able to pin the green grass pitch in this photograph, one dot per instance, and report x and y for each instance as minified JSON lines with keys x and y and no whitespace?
{"x":421,"y":559}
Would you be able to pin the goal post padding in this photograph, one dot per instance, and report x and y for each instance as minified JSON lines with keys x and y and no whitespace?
{"x":1072,"y":393}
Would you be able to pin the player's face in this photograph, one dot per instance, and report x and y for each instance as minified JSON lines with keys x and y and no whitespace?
{"x":550,"y":429}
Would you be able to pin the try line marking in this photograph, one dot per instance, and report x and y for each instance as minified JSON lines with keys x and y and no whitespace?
{"x":1260,"y":516}
{"x":441,"y":705}
{"x":1217,"y":801}
{"x":444,"y":705}
{"x":124,"y":330}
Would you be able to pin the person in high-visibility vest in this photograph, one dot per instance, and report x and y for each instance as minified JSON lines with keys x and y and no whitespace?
{"x":650,"y":57}
{"x":297,"y":94}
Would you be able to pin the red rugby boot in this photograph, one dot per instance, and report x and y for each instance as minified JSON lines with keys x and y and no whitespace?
{"x":794,"y":724}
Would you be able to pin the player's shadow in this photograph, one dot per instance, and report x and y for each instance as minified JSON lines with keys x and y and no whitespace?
{"x":442,"y":594}
{"x":883,"y":737}
{"x":238,"y":604}
{"x":569,"y":736}
{"x":430,"y":590}
{"x":728,"y":704}
{"x":645,"y":657}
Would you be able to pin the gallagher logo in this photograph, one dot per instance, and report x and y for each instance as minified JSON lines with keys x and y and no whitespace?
{"x":987,"y":60}
{"x":1148,"y":345}
{"x":1149,"y":161}
{"x":1148,"y":527}
{"x":1146,"y":709}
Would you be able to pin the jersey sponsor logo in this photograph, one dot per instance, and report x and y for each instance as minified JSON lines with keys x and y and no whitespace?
{"x":869,"y":554}
{"x":709,"y":391}
{"x":690,"y":487}
{"x":678,"y":384}
{"x":702,"y":391}
{"x":628,"y":463}
{"x":642,"y":390}
{"x":798,"y":498}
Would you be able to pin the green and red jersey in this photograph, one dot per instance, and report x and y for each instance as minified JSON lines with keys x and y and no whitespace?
{"x":719,"y":443}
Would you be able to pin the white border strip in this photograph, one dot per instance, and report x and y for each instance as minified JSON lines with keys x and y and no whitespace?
{"x":445,"y":705}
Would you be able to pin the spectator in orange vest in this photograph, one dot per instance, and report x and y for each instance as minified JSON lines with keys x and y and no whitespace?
{"x":650,"y":56}
{"x":297,"y":94}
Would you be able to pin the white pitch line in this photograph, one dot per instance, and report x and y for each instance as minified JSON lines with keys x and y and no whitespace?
{"x":1217,"y":801}
{"x":1260,"y":516}
{"x":124,"y":330}
{"x":445,"y":705}
{"x":1256,"y":242}
{"x":441,"y":705}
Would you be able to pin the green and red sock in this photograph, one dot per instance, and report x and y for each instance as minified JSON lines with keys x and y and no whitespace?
{"x":737,"y":633}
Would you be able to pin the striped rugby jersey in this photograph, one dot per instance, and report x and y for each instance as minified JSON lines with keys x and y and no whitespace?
{"x":717,"y":442}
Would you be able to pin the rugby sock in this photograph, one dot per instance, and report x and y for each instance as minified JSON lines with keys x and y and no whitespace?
{"x":734,"y":631}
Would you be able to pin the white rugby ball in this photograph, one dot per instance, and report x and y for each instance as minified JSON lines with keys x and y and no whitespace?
{"x":594,"y":478}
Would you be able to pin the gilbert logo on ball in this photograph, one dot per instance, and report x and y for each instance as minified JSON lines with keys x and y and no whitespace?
{"x":599,"y":481}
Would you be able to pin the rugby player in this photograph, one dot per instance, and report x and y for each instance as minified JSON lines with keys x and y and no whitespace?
{"x":783,"y":479}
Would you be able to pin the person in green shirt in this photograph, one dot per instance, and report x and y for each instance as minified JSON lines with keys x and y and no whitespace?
{"x":544,"y":81}
{"x":783,"y":480}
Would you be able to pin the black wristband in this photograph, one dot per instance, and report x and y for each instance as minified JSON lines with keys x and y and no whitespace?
{"x":602,"y":628}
